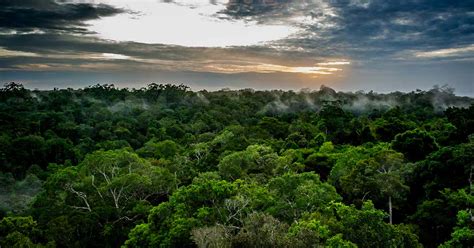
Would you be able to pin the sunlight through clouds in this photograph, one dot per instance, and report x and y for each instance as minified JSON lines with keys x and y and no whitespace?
{"x":271,"y":68}
{"x":354,"y":44}
{"x":448,"y":52}
{"x":191,"y":24}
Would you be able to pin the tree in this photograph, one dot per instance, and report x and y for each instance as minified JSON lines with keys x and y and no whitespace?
{"x":256,"y":159}
{"x":261,"y":230}
{"x":336,"y":122}
{"x":26,"y":151}
{"x":211,"y":237}
{"x":392,"y":123}
{"x":296,"y":194}
{"x":118,"y":177}
{"x":436,"y":228}
{"x":308,"y":232}
{"x":463,"y":234}
{"x":463,"y":119}
{"x":275,"y":127}
{"x":162,"y":149}
{"x":366,"y":227}
{"x":165,"y":167}
{"x":375,"y":173}
{"x":321,"y":161}
{"x":415,"y":144}
{"x":20,"y":232}
{"x":170,"y":224}
{"x":450,"y":167}
{"x":113,"y":188}
{"x":13,"y":89}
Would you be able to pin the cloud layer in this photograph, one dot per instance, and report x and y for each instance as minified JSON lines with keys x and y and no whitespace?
{"x":50,"y":16}
{"x":344,"y":43}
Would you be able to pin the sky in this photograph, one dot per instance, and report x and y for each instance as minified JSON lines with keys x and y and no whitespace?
{"x":348,"y":45}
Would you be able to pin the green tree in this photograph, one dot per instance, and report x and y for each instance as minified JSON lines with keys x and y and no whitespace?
{"x":296,"y":194}
{"x":415,"y":144}
{"x":163,"y":149}
{"x":463,"y":234}
{"x":114,"y":189}
{"x":255,"y":160}
{"x":261,"y":230}
{"x":170,"y":223}
{"x":366,"y":227}
{"x":20,"y":232}
{"x":375,"y":173}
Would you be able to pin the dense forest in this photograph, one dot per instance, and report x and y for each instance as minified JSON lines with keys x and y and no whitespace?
{"x":163,"y":166}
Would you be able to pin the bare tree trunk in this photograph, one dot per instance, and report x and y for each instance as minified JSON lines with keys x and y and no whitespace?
{"x":390,"y":208}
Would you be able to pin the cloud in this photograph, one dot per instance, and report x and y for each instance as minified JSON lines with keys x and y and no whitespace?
{"x":271,"y":68}
{"x":447,"y":52}
{"x":241,"y":8}
{"x":387,"y":27}
{"x":163,"y":23}
{"x":364,"y":30}
{"x":10,"y":53}
{"x":112,"y":56}
{"x":52,"y":52}
{"x":334,"y":63}
{"x":367,"y":37}
{"x":354,"y":29}
{"x":297,"y":13}
{"x":30,"y":15}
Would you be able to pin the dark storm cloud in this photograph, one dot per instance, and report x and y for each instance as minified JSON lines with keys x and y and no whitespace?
{"x":244,"y":8}
{"x":49,"y":15}
{"x":63,"y":43}
{"x":366,"y":29}
{"x":273,"y":11}
{"x":388,"y":27}
{"x":406,"y":23}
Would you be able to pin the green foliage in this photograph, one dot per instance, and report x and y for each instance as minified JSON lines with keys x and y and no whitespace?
{"x":20,"y":232}
{"x":337,"y":242}
{"x":463,"y":120}
{"x":296,"y":194}
{"x":309,"y":232}
{"x":374,"y":173}
{"x":255,"y":160}
{"x":261,"y":230}
{"x":393,"y":122}
{"x":112,"y":188}
{"x":165,"y":149}
{"x":415,"y":144}
{"x":366,"y":227}
{"x":463,"y":234}
{"x":189,"y":207}
{"x":163,"y":166}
